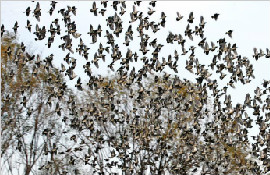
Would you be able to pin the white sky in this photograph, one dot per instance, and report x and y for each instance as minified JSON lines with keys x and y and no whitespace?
{"x":249,"y":20}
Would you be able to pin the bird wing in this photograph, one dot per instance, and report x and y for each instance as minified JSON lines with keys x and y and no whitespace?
{"x":202,"y":20}
{"x":206,"y":45}
{"x":37,"y":6}
{"x":255,"y":50}
{"x":79,"y":80}
{"x":134,"y":8}
{"x":190,"y":15}
{"x":37,"y":28}
{"x":162,"y":14}
{"x":91,"y":28}
{"x":81,"y":41}
{"x":187,"y":28}
{"x":212,"y":44}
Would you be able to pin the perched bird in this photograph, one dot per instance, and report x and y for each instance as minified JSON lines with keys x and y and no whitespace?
{"x":58,"y":109}
{"x":24,"y":102}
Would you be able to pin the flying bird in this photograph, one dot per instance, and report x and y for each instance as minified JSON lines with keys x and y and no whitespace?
{"x":215,"y":16}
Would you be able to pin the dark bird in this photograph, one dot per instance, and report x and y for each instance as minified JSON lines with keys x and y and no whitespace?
{"x":229,"y":33}
{"x":24,"y":101}
{"x":256,"y":54}
{"x":2,"y":29}
{"x":138,"y":3}
{"x":28,"y":25}
{"x":102,"y":11}
{"x":78,"y":85}
{"x":202,"y":23}
{"x":104,"y":3}
{"x":267,"y":55}
{"x":37,"y":12}
{"x":27,"y":11}
{"x":179,"y":17}
{"x":94,"y":8}
{"x":213,"y":47}
{"x":152,"y":3}
{"x":73,"y":10}
{"x":150,"y":11}
{"x":163,"y":17}
{"x":206,"y":48}
{"x":190,"y":18}
{"x":53,"y":3}
{"x":58,"y":109}
{"x":215,"y":16}
{"x":15,"y":27}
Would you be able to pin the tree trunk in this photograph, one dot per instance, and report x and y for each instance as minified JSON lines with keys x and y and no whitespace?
{"x":28,"y":169}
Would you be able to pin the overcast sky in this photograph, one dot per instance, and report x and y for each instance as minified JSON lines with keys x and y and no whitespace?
{"x":250,"y":22}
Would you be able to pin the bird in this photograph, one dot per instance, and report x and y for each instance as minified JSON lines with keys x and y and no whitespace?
{"x":267,"y":55}
{"x":202,"y":23}
{"x":37,"y":12}
{"x":104,"y":3}
{"x":78,"y":85}
{"x":229,"y":33}
{"x":152,"y":3}
{"x":179,"y":17}
{"x":163,"y":17}
{"x":27,"y":11}
{"x":51,"y":11}
{"x":15,"y":27}
{"x":102,"y":11}
{"x":215,"y":16}
{"x":94,"y":8}
{"x":256,"y":54}
{"x":206,"y":48}
{"x":2,"y":29}
{"x":28,"y":25}
{"x":53,"y":3}
{"x":24,"y":101}
{"x":213,"y":47}
{"x":190,"y":18}
{"x":58,"y":109}
{"x":151,"y":11}
{"x":73,"y":10}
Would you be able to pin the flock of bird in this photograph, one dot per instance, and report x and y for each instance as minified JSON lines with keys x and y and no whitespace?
{"x":152,"y":100}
